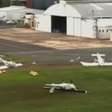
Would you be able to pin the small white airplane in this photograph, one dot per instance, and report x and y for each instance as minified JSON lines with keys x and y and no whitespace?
{"x":98,"y":61}
{"x":10,"y":63}
{"x":3,"y":67}
{"x":64,"y":87}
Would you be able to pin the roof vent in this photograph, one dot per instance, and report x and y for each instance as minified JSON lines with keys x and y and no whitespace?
{"x":55,"y":2}
{"x":63,"y":2}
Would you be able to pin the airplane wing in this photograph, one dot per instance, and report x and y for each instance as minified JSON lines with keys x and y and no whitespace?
{"x":50,"y":85}
{"x":3,"y":67}
{"x":52,"y":90}
{"x":98,"y":55}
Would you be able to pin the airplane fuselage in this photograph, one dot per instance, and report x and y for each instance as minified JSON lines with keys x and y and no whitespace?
{"x":99,"y":61}
{"x":63,"y":87}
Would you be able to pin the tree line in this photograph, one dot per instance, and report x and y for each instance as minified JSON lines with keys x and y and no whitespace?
{"x":4,"y":3}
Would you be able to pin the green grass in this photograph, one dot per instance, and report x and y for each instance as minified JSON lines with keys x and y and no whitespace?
{"x":21,"y":92}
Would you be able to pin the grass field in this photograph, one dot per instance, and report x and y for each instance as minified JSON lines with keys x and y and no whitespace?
{"x":21,"y":92}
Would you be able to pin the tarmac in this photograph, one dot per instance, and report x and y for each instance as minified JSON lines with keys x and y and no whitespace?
{"x":44,"y":55}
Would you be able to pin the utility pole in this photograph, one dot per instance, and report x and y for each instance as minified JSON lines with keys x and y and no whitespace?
{"x":96,"y":27}
{"x":95,"y":24}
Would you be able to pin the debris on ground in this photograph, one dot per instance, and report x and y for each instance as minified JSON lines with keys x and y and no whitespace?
{"x":34,"y":73}
{"x":71,"y":60}
{"x":34,"y":63}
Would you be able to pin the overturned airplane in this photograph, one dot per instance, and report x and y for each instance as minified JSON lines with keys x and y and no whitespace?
{"x":10,"y":63}
{"x":64,"y":87}
{"x":98,"y":61}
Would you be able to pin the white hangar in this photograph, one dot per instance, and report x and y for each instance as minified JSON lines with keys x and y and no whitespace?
{"x":91,"y":20}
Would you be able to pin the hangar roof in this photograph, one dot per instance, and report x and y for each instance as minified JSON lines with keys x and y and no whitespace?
{"x":89,"y":1}
{"x":85,"y":10}
{"x":90,"y":10}
{"x":62,"y":9}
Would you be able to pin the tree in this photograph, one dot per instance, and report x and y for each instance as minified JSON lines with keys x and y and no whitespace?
{"x":0,"y":3}
{"x":4,"y":3}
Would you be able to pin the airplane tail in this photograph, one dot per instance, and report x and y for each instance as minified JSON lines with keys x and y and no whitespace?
{"x":81,"y":91}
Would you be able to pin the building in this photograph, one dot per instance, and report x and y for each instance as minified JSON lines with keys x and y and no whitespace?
{"x":36,"y":4}
{"x":42,"y":4}
{"x":92,"y":20}
{"x":89,"y":1}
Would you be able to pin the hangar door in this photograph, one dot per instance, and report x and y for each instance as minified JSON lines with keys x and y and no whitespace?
{"x":59,"y":24}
